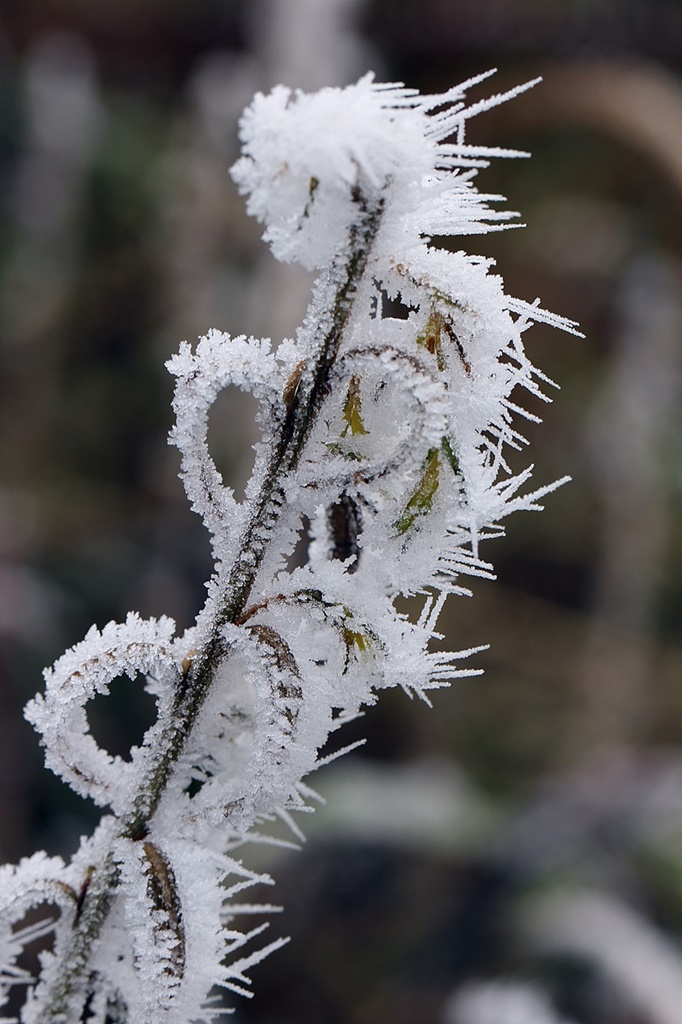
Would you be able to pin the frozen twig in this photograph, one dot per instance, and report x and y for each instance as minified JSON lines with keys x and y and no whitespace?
{"x":388,"y":436}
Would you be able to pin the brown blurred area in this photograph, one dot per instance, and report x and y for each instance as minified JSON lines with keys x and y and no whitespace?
{"x":121,"y":234}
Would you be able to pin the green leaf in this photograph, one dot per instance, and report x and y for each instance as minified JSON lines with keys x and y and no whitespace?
{"x":450,"y":455}
{"x":352,"y":638}
{"x":431,"y":338}
{"x":352,"y":412}
{"x":439,"y":328}
{"x":421,"y":502}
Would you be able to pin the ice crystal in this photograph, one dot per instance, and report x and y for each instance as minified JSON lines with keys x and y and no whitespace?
{"x":388,"y":436}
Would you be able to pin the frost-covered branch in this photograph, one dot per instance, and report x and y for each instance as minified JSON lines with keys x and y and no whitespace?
{"x":388,"y":436}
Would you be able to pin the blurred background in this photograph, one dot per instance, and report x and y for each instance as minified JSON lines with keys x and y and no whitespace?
{"x":515,"y":856}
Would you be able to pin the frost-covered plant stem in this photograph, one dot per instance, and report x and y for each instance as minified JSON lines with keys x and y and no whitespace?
{"x":388,"y":436}
{"x":341,"y":283}
{"x":303,"y":403}
{"x":95,"y":904}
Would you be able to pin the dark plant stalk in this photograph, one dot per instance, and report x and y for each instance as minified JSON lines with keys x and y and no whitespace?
{"x":100,"y":889}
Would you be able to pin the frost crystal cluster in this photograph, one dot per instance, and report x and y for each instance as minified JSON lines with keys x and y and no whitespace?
{"x":383,"y":441}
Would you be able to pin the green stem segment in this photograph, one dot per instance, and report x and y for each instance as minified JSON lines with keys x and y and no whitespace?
{"x":69,"y":991}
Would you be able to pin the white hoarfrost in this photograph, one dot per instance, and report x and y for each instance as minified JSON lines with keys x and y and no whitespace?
{"x":384,"y":437}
